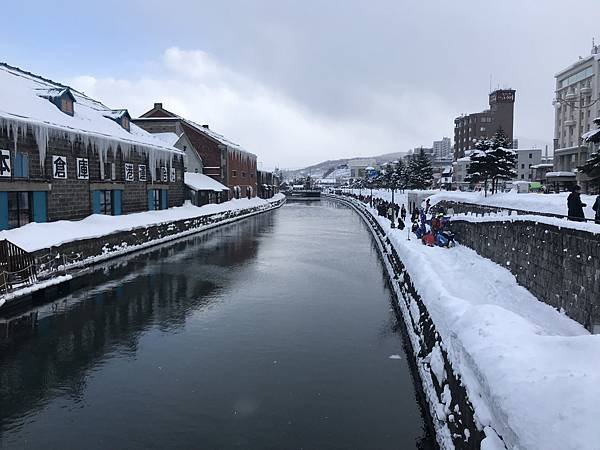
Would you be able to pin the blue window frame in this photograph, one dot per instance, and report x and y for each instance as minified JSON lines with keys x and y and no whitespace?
{"x":21,"y":166}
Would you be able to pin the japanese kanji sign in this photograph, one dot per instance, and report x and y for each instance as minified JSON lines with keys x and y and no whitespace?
{"x":83,"y":169}
{"x":129,"y":176}
{"x":5,"y":168}
{"x":59,"y":167}
{"x":173,"y":177}
{"x":142,"y":172}
{"x":165,"y":174}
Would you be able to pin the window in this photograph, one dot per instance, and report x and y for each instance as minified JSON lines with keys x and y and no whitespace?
{"x":156,"y":199}
{"x":522,"y":176}
{"x":522,"y":166}
{"x":66,"y":105}
{"x":530,"y":156}
{"x":105,"y":203}
{"x":482,"y":129}
{"x":19,"y":209}
{"x":125,"y":123}
{"x":21,"y":167}
{"x":251,"y":175}
{"x":243,"y":174}
{"x":109,"y":171}
{"x":234,"y":173}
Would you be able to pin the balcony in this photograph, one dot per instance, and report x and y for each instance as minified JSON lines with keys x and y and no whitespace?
{"x":586,"y":90}
{"x":570,"y":122}
{"x":571,"y":96}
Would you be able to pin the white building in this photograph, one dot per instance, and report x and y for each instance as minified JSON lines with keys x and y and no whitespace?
{"x":442,"y":149}
{"x":577,"y":87}
{"x":526,"y":158}
{"x":357,"y":166}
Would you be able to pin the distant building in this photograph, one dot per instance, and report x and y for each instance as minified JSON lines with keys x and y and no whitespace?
{"x":460,"y":169}
{"x":442,"y":149}
{"x":576,"y":88}
{"x":268,"y":183}
{"x":539,"y":171}
{"x":526,"y":158}
{"x":470,"y":128}
{"x":206,"y":151}
{"x":358,"y":166}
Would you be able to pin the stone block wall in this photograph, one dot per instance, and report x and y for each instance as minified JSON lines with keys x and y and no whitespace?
{"x":560,"y":266}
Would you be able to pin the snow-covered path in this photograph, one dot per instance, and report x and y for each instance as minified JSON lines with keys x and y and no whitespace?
{"x":530,"y":371}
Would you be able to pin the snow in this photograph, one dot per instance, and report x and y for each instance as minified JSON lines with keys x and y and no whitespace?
{"x":531,"y":373}
{"x":36,"y":236}
{"x":544,"y":203}
{"x":561,"y":174}
{"x":168,"y":138}
{"x":201,"y":182}
{"x":23,"y":105}
{"x":395,"y":357}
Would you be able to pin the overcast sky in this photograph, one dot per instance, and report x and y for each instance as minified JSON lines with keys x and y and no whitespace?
{"x":299,"y":82}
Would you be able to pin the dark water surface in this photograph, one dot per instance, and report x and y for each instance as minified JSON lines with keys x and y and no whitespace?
{"x":274,"y":332}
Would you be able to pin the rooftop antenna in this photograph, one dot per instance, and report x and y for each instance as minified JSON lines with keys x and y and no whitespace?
{"x":490,"y":83}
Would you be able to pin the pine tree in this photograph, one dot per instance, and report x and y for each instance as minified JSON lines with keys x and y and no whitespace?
{"x":492,"y":160}
{"x":503,"y":159}
{"x":420,"y":171}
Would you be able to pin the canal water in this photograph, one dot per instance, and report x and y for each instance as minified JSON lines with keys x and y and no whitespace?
{"x":275,"y":332}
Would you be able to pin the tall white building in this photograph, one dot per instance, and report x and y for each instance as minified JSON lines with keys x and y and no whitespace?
{"x":577,"y":88}
{"x":442,"y":149}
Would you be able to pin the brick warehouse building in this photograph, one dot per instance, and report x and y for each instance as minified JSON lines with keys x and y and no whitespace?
{"x":470,"y":128}
{"x":206,"y":151}
{"x":64,"y":155}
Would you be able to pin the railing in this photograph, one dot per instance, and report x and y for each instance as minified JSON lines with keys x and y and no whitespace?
{"x":17,"y":266}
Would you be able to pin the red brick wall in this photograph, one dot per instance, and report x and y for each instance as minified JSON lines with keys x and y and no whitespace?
{"x":244,"y":167}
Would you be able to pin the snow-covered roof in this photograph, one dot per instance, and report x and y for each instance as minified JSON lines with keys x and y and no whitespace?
{"x":543,"y":165}
{"x":560,"y":174}
{"x":588,"y":136}
{"x":201,"y":182}
{"x":204,"y":130}
{"x":24,"y":101}
{"x":168,"y":138}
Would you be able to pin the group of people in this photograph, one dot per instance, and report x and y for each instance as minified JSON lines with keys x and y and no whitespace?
{"x":575,"y":206}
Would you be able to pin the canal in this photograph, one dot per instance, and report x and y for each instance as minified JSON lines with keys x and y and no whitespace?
{"x":273,"y":332}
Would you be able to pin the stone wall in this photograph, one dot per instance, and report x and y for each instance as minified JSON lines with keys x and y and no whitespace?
{"x":86,"y":251}
{"x":560,"y":266}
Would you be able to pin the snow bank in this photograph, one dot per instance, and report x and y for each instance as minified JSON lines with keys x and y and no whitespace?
{"x":531,"y":373}
{"x":544,"y":203}
{"x":556,"y":221}
{"x":36,"y":236}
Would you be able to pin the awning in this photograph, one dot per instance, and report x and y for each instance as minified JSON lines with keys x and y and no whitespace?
{"x":201,"y":182}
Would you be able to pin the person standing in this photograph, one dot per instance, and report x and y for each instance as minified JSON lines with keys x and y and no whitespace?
{"x":596,"y":208}
{"x":403,"y":212}
{"x":575,"y":205}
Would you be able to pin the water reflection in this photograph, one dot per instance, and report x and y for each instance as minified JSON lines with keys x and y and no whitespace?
{"x":48,"y":352}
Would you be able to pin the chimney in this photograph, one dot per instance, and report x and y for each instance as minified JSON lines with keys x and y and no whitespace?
{"x":158,"y":106}
{"x":205,"y":126}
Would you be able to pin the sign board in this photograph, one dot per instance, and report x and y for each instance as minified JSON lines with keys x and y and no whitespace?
{"x":59,"y":167}
{"x":83,"y":169}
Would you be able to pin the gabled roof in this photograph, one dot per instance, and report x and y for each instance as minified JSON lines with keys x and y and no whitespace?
{"x":21,"y":103}
{"x":158,"y":113}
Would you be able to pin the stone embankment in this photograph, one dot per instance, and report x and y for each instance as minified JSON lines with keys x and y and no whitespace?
{"x":560,"y":265}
